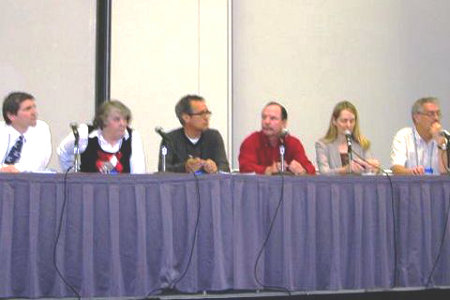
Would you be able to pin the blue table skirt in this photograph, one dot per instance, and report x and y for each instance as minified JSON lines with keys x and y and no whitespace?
{"x":127,"y":235}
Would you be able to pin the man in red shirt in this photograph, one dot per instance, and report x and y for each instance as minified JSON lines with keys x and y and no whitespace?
{"x":260,"y":152}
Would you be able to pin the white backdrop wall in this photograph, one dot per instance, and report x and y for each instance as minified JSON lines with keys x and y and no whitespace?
{"x":307,"y":54}
{"x":381,"y":55}
{"x":48,"y":50}
{"x":163,"y":50}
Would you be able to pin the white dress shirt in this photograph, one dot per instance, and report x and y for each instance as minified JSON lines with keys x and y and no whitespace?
{"x":65,"y":150}
{"x":36,"y":149}
{"x":410,"y":150}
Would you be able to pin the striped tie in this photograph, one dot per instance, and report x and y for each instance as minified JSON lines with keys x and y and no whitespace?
{"x":14,"y":153}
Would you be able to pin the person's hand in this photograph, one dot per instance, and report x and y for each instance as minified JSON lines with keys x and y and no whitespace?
{"x":193,"y":164}
{"x":373,"y":165}
{"x":355,"y":167}
{"x":9,"y":169}
{"x":372,"y":162}
{"x":106,"y":167}
{"x":296,"y":168}
{"x":271,"y":169}
{"x":435,"y":131}
{"x":419,"y":170}
{"x":210,"y":166}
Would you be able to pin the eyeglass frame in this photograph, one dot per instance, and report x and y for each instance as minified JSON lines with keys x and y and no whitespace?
{"x":431,"y":114}
{"x":205,"y":113}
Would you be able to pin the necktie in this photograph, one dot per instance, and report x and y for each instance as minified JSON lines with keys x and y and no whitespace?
{"x":14,"y":153}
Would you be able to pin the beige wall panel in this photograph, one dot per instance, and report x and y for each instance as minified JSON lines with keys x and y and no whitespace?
{"x":48,"y":50}
{"x":163,"y":50}
{"x":381,"y":55}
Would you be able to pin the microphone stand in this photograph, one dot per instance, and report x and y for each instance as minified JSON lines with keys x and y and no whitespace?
{"x":448,"y":153}
{"x":76,"y":149}
{"x":166,"y":144}
{"x":163,"y":155}
{"x":76,"y":152}
{"x":447,"y":146}
{"x":349,"y":149}
{"x":282,"y":151}
{"x":350,"y":153}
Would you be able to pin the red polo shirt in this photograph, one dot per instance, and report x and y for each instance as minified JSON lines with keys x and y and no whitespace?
{"x":256,"y":153}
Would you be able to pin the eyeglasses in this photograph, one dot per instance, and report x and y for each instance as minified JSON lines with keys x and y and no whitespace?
{"x":432,"y":114}
{"x":205,"y":113}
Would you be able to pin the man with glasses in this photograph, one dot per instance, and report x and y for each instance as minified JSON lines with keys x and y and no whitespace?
{"x":194,"y":147}
{"x":420,"y":149}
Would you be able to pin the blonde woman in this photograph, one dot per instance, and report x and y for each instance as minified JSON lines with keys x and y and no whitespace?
{"x":332,"y":150}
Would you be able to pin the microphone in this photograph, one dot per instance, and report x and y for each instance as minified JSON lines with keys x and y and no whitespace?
{"x":348,"y":137}
{"x":74,"y":127}
{"x":445,"y":133}
{"x":167,"y":143}
{"x":446,"y":136}
{"x":284,"y":132}
{"x":159,"y":130}
{"x":76,"y":148}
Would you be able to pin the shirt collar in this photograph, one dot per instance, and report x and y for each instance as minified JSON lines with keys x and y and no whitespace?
{"x":265,"y":140}
{"x":104,"y":145}
{"x":14,"y":134}
{"x":419,"y":139}
{"x":98,"y":133}
{"x":193,"y":141}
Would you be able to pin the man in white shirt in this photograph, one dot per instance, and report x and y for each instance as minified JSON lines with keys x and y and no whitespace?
{"x":25,"y":141}
{"x":420,"y":150}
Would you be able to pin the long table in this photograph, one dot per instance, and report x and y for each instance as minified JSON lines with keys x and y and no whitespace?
{"x":128,"y":235}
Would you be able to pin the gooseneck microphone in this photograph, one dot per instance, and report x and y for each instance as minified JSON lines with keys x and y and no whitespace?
{"x":159,"y":130}
{"x":348,"y":137}
{"x":284,"y":132}
{"x":76,"y":148}
{"x":74,"y":127}
{"x":169,"y":145}
{"x":445,"y":133}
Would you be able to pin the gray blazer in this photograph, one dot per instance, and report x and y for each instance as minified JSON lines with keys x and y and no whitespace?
{"x":329,"y":159}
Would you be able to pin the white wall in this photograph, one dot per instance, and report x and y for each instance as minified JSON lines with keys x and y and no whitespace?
{"x":48,"y":50}
{"x":307,"y":54}
{"x":381,"y":55}
{"x":163,"y":50}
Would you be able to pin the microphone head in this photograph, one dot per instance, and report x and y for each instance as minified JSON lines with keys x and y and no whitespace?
{"x":284,"y":132}
{"x":445,"y":133}
{"x":74,"y":127}
{"x":159,"y":130}
{"x":347,"y":133}
{"x":348,"y":137}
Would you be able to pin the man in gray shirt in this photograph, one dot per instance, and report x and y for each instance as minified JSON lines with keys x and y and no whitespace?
{"x":194,"y":147}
